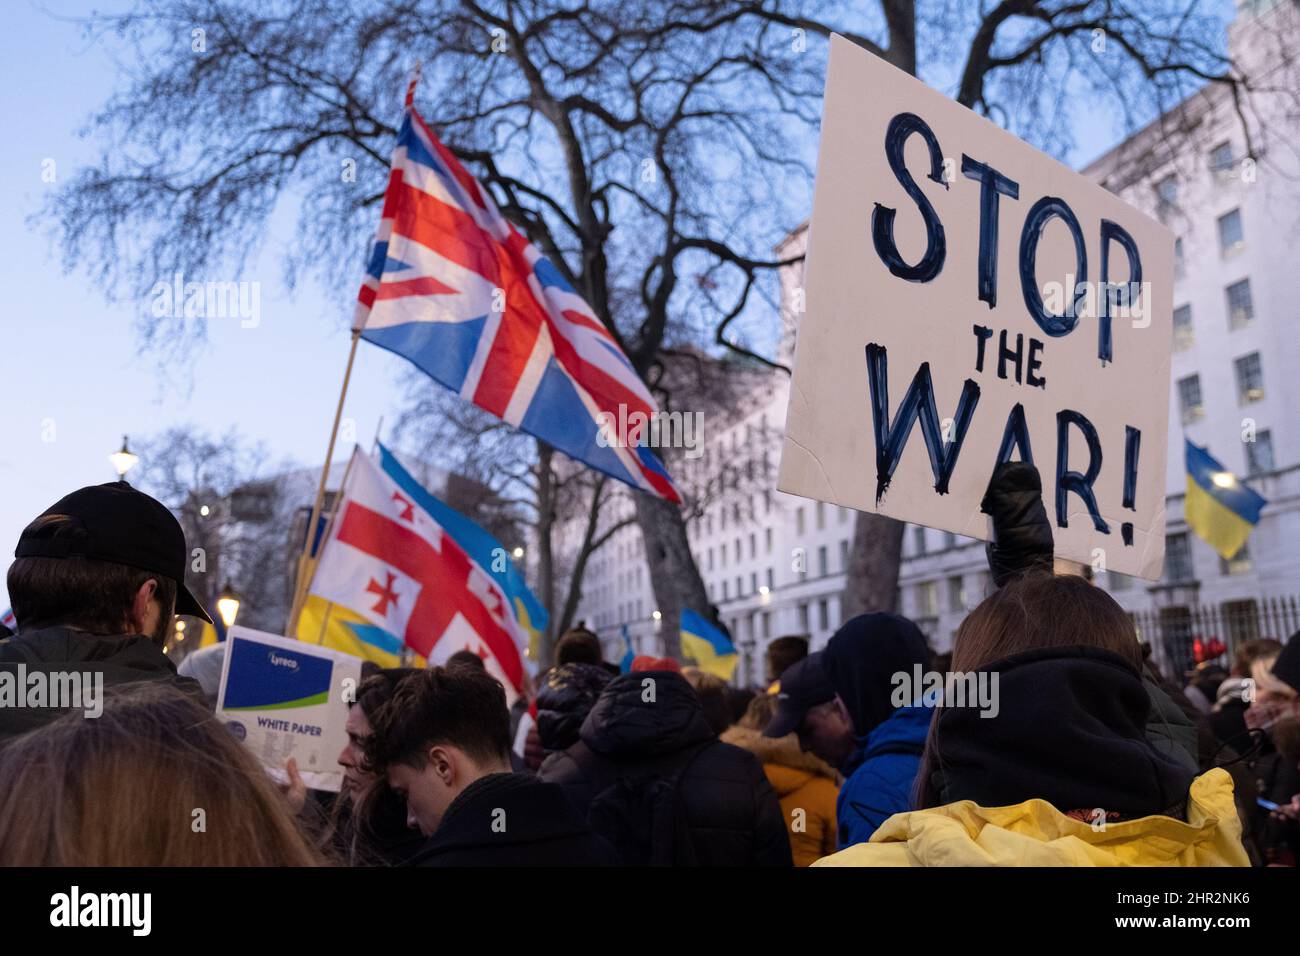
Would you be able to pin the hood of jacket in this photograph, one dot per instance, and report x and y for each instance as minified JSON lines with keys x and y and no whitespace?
{"x":636,"y":719}
{"x":1070,"y":729}
{"x":788,"y":768}
{"x":130,"y":654}
{"x":861,"y":660}
{"x":1034,"y":833}
{"x":567,"y":695}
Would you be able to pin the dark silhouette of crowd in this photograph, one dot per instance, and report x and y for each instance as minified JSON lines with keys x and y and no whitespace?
{"x":1047,"y":736}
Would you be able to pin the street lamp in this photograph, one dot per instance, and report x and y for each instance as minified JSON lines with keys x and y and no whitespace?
{"x":123,"y":460}
{"x":518,"y":553}
{"x":228,"y":606}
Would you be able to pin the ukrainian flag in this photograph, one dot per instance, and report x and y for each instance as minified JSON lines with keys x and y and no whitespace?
{"x":331,"y":625}
{"x":1219,"y":507}
{"x":707,"y":646}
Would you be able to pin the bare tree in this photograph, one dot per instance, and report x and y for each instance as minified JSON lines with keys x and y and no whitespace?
{"x":234,"y":511}
{"x":639,"y":143}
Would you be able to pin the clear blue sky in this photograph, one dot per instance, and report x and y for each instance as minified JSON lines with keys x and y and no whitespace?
{"x":70,"y":358}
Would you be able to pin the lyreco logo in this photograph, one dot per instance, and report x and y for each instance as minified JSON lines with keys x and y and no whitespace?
{"x":279,"y":661}
{"x":74,"y":908}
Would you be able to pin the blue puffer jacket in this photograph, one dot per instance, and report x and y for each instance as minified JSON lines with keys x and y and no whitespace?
{"x":881,"y":774}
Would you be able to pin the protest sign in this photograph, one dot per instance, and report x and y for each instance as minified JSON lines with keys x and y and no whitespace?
{"x":970,"y":300}
{"x":284,"y":698}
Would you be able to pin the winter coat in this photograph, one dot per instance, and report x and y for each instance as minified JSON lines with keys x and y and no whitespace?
{"x":567,"y":694}
{"x":121,"y":659}
{"x":881,"y":775}
{"x":803,"y":782}
{"x":723,"y":811}
{"x":860,"y":661}
{"x":512,"y":819}
{"x":1034,"y":833}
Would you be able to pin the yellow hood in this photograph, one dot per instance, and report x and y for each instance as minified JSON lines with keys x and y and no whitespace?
{"x":1035,"y":833}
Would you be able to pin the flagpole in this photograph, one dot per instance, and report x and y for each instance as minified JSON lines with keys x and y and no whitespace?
{"x":304,"y":560}
{"x":325,"y":622}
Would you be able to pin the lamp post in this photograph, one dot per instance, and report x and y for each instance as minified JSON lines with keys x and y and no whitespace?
{"x":228,"y":606}
{"x":123,"y":460}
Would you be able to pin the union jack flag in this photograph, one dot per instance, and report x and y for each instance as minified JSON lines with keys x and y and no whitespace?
{"x":455,"y":288}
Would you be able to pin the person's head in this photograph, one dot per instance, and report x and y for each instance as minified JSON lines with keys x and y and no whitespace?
{"x":132,"y":786}
{"x":759,"y":713}
{"x":106,"y":559}
{"x":1041,"y":611}
{"x":712,"y":691}
{"x":783,"y":653}
{"x":466,"y":659}
{"x":807,"y":705}
{"x":441,"y":730}
{"x":863,"y":660}
{"x":1248,"y":651}
{"x":578,"y":646}
{"x":372,"y":694}
{"x":738,"y":699}
{"x":1037,"y":612}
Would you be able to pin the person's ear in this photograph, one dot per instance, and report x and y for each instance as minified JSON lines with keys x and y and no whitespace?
{"x":443,"y":763}
{"x":139,"y":619}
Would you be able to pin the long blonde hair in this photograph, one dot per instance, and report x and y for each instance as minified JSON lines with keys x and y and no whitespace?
{"x":155,"y":780}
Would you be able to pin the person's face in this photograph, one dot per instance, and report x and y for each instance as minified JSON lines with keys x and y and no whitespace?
{"x":827,"y":731}
{"x":429,"y":791}
{"x":351,"y":758}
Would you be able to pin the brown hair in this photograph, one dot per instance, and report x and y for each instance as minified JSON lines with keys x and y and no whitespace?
{"x":461,"y":706}
{"x":125,"y":788}
{"x":783,"y":653}
{"x":1252,"y":650}
{"x":92,"y":595}
{"x":1041,"y":610}
{"x":578,"y":646}
{"x":759,"y":712}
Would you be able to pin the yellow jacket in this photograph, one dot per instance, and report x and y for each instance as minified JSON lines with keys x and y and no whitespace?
{"x":1035,"y":833}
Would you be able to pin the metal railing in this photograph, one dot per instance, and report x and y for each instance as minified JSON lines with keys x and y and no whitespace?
{"x":1173,"y":631}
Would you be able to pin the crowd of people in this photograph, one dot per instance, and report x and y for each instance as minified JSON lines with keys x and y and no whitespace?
{"x":1074,"y":751}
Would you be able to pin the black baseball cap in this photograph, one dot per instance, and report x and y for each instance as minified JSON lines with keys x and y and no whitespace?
{"x":116,"y":523}
{"x":804,"y":685}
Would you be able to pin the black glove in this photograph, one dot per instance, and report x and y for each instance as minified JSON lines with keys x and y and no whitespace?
{"x":1022,"y":534}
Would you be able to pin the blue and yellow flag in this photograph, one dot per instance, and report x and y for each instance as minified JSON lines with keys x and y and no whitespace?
{"x":707,"y":646}
{"x":332,"y":625}
{"x":1219,"y":507}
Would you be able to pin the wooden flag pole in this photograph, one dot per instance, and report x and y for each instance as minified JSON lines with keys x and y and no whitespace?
{"x":305,"y":568}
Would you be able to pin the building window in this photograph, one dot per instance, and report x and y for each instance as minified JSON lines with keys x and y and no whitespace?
{"x":1180,"y":261}
{"x":1222,"y":162}
{"x":725,"y":595}
{"x":823,"y":614}
{"x":1241,"y":308}
{"x":844,"y":555}
{"x":740,"y":586}
{"x":927,"y":599}
{"x":821,"y":515}
{"x":1189,"y":399}
{"x":844,"y":515}
{"x":949,"y":539}
{"x":1250,"y":379}
{"x":1178,"y":558}
{"x":767,"y":624}
{"x":1183,"y":335}
{"x":1117,"y":581}
{"x":753,"y":545}
{"x":753,"y":582}
{"x":1241,"y":619}
{"x":956,"y":594}
{"x":767,"y":540}
{"x":823,"y":562}
{"x":1239,"y":563}
{"x":1166,"y":197}
{"x":798,"y":521}
{"x":918,"y":539}
{"x":770,"y":577}
{"x":1259,"y":453}
{"x":1231,"y":236}
{"x":803,"y":617}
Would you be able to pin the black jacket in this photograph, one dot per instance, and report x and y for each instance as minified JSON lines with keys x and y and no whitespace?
{"x":567,"y":695}
{"x":513,"y":819}
{"x":725,"y":807}
{"x":122,"y":659}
